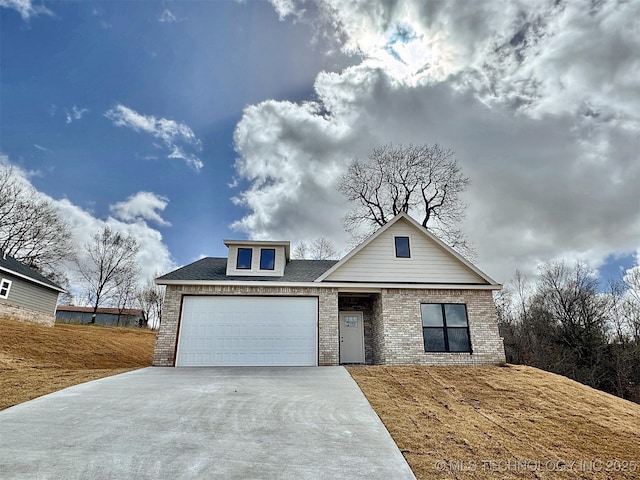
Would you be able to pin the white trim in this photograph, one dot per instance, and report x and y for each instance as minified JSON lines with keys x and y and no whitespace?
{"x":26,"y":277}
{"x":422,"y":230}
{"x":4,"y":283}
{"x":341,"y":286}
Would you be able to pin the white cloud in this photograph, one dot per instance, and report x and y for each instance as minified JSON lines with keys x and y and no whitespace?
{"x":154,"y":255}
{"x":42,"y":149}
{"x":143,"y":206}
{"x":75,"y":113}
{"x":26,"y":8}
{"x":167,"y":17}
{"x":174,"y":135}
{"x":547,"y":134}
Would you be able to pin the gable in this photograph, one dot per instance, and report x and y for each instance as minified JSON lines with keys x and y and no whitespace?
{"x":429,"y":262}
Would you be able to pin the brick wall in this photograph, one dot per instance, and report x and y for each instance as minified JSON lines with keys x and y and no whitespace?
{"x":328,"y":353}
{"x":401,"y":340}
{"x":26,"y":314}
{"x":393,"y":326}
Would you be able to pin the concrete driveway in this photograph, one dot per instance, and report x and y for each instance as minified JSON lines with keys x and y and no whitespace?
{"x":178,"y":423}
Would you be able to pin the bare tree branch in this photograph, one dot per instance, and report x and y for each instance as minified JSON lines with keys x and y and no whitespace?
{"x":420,"y":180}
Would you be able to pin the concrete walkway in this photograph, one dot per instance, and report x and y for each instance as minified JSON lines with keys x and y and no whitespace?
{"x":202,"y":423}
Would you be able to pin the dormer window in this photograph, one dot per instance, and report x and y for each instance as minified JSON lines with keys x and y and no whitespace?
{"x":402,"y":247}
{"x":244,"y":259}
{"x":267,"y":258}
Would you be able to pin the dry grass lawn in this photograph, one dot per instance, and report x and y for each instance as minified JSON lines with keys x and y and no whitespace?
{"x":449,"y":422}
{"x":36,"y":360}
{"x":503,"y":422}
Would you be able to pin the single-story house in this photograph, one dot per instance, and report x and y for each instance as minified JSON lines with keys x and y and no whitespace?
{"x":26,"y":294}
{"x":112,"y":317}
{"x":401,"y":297}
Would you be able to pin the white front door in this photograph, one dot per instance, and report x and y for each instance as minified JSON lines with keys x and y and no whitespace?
{"x":351,"y":337}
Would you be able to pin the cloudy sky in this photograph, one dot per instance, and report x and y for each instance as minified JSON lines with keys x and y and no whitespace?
{"x":189,"y":122}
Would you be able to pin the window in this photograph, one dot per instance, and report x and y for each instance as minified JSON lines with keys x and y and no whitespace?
{"x":402,"y":247}
{"x":5,"y":286}
{"x":267,"y":258}
{"x":445,"y":327}
{"x":244,"y":259}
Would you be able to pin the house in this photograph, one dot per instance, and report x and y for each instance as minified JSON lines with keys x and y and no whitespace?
{"x":112,"y":317}
{"x":25,"y":294}
{"x":401,"y":297}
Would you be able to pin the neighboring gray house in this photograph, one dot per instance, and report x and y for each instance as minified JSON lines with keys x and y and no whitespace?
{"x":25,"y":294}
{"x":111,"y":317}
{"x":402,"y":297}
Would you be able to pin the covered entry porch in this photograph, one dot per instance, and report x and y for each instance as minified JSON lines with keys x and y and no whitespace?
{"x":360,"y":327}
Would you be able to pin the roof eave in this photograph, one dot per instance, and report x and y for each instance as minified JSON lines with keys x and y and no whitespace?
{"x":33,"y":280}
{"x":340,"y":285}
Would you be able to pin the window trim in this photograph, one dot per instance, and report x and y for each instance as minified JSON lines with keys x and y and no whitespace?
{"x":238,"y":267}
{"x":273,"y":265}
{"x":5,"y":284}
{"x":445,"y":329}
{"x":395,"y":246}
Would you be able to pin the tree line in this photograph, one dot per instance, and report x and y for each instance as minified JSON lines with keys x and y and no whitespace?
{"x":564,"y":322}
{"x":107,"y":268}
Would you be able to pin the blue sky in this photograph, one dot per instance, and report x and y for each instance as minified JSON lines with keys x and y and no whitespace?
{"x":185,"y":123}
{"x":197,"y":64}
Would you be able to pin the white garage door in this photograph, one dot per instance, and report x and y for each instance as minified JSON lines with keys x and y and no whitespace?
{"x":248,"y":331}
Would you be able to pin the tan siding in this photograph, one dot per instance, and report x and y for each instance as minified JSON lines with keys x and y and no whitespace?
{"x":429,"y":263}
{"x":28,"y":295}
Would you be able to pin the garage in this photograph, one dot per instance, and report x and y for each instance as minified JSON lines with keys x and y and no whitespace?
{"x":248,"y":331}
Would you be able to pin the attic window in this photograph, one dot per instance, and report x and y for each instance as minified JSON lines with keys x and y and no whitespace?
{"x":5,"y":286}
{"x":402,"y":247}
{"x":244,"y":259}
{"x":267,"y":259}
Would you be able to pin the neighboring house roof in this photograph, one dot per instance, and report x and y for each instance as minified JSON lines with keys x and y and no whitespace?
{"x":214,"y":269}
{"x":11,"y":265}
{"x":455,"y":256}
{"x":112,"y":311}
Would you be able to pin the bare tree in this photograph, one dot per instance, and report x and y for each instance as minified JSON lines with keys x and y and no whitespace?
{"x":422,"y":180}
{"x":320,"y":248}
{"x":110,"y":260}
{"x":125,"y":294}
{"x":31,"y":230}
{"x":150,"y":298}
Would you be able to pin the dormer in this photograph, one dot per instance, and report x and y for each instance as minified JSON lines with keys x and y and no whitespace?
{"x":255,"y":258}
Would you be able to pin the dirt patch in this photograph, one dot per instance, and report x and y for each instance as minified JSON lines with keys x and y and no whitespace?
{"x":36,"y":360}
{"x":503,"y":422}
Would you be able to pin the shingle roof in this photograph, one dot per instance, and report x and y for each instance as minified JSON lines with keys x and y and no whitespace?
{"x":10,"y":264}
{"x":212,"y":269}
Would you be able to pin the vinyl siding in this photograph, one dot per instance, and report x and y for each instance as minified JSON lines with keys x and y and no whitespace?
{"x":29,"y":295}
{"x":255,"y":271}
{"x":429,"y":263}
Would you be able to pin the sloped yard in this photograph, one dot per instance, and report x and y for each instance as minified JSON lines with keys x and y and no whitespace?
{"x":36,"y":360}
{"x":503,"y":422}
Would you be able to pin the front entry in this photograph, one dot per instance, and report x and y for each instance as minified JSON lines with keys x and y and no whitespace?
{"x":351,"y":337}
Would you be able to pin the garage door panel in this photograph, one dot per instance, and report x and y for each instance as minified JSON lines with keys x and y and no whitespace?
{"x":248,"y":331}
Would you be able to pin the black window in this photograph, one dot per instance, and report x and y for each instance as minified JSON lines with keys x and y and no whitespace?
{"x":267,"y":258}
{"x":402,"y":247}
{"x":244,"y":259}
{"x":445,"y":327}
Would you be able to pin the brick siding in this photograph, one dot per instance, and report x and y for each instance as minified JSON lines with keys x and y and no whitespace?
{"x":400,"y":342}
{"x":26,"y":314}
{"x":328,"y":352}
{"x":392,"y":323}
